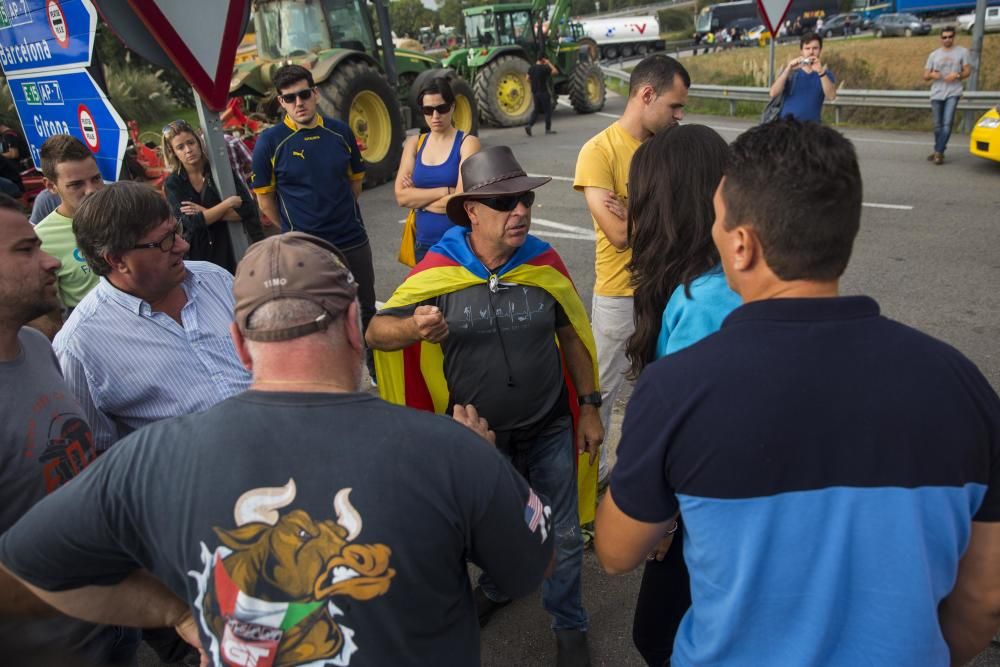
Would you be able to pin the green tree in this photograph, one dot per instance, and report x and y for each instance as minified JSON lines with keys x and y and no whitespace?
{"x":408,"y":16}
{"x":450,"y":12}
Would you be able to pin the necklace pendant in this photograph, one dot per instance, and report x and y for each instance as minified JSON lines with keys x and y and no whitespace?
{"x":494,"y":282}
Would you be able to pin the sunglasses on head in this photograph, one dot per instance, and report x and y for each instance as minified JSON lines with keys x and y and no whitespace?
{"x":509,"y":202}
{"x":289,"y":98}
{"x":176,"y":126}
{"x":442,"y":109}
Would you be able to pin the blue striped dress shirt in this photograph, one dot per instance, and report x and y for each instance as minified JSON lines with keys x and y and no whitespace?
{"x":129,"y":366}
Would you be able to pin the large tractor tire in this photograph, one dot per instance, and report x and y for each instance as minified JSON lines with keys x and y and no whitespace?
{"x":502,"y":92}
{"x":592,"y":48}
{"x":466,"y":114}
{"x":357,"y":94}
{"x":586,"y":88}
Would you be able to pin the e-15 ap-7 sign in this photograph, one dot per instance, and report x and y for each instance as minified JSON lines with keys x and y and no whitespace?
{"x":70,"y":103}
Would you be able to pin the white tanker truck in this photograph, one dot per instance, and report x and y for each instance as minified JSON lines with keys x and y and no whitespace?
{"x":624,"y":36}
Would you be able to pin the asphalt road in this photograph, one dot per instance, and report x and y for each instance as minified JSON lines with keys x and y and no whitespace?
{"x":927,"y":252}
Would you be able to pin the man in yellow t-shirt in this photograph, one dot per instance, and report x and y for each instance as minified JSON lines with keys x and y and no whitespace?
{"x":70,"y":171}
{"x":658,"y":91}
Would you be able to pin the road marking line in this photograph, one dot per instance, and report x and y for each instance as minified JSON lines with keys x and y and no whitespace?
{"x":554,"y":178}
{"x":895,"y":207}
{"x":564,"y":230}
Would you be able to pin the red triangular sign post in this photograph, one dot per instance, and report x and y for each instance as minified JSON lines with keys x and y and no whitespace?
{"x":201,"y":43}
{"x":773,"y":12}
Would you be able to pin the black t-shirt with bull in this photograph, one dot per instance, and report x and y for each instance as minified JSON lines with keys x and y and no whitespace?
{"x":303,"y":529}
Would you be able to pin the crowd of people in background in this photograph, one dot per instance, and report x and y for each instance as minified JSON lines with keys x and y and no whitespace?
{"x":198,"y":451}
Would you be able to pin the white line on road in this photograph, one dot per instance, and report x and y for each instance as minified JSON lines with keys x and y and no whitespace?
{"x":564,"y":231}
{"x":895,"y":207}
{"x":554,"y":178}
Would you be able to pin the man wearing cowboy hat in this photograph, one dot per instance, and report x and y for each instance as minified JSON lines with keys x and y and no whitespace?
{"x":476,"y":322}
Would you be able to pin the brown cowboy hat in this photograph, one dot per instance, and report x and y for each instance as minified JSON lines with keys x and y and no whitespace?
{"x":492,"y":172}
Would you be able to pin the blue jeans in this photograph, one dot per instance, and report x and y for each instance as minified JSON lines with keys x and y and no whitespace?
{"x":551,"y":471}
{"x":944,"y":117}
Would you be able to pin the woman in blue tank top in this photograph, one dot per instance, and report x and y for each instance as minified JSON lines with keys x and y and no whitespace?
{"x":430,"y":170}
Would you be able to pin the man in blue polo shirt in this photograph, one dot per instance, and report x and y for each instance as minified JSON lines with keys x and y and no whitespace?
{"x":838,"y":472}
{"x":308,"y":173}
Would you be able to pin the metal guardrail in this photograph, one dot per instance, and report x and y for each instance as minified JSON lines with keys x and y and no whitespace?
{"x":890,"y":99}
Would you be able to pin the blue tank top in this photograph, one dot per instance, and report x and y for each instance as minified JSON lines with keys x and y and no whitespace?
{"x":431,"y":226}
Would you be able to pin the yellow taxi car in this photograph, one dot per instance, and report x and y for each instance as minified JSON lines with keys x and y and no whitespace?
{"x":985,"y":138}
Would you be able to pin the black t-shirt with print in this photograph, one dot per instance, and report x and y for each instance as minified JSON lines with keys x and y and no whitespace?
{"x":500,"y":354}
{"x":333,"y":526}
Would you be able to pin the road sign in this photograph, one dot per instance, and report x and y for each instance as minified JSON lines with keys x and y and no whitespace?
{"x":773,"y":12}
{"x":201,"y":43}
{"x":70,"y":103}
{"x":46,"y":35}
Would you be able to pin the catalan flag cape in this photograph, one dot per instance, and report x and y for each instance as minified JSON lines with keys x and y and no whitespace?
{"x":414,"y":376}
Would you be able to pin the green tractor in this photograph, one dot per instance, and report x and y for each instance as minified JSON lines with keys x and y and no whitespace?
{"x":503,"y":41}
{"x":362,"y":80}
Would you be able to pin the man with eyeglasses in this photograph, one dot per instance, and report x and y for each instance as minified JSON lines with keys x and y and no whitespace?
{"x":946,"y":67}
{"x":476,"y":323}
{"x":308,"y":173}
{"x":151,"y":340}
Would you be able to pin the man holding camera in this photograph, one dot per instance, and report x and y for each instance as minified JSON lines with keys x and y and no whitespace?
{"x":806,"y":82}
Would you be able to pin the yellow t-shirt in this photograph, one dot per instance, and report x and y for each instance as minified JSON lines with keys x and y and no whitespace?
{"x":603,"y":163}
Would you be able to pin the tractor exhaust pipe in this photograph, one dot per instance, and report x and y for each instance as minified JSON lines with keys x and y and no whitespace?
{"x":388,"y":48}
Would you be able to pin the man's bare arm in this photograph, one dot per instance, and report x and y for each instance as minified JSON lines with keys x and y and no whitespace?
{"x":970,"y":615}
{"x":622,"y":543}
{"x":139,"y":600}
{"x":589,"y":430}
{"x":613,"y":227}
{"x":268,"y":202}
{"x":388,"y":332}
{"x":16,"y":601}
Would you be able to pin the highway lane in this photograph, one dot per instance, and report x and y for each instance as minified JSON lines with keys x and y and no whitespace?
{"x":927,"y":252}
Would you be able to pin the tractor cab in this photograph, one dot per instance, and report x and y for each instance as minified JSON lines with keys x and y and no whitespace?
{"x":295,"y":28}
{"x":501,"y":25}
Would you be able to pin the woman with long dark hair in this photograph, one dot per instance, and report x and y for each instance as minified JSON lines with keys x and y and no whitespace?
{"x":681,"y":296}
{"x":430,"y":169}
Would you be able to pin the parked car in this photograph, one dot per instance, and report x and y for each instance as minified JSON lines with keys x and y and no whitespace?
{"x":840,"y":24}
{"x":905,"y":25}
{"x":991,"y":24}
{"x":985,"y":138}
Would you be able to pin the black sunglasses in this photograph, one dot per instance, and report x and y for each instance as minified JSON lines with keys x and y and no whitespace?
{"x":947,"y":36}
{"x":289,"y":98}
{"x":509,"y":202}
{"x":166,"y":244}
{"x":442,"y":109}
{"x":176,"y":126}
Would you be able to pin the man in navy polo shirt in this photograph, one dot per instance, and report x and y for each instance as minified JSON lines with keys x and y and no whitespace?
{"x":838,"y":472}
{"x":308,"y":172}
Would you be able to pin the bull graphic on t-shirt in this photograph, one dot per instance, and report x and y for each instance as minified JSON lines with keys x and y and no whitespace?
{"x":267,"y":595}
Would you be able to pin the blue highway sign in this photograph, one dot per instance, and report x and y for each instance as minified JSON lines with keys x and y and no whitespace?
{"x":70,"y":103}
{"x":46,"y":34}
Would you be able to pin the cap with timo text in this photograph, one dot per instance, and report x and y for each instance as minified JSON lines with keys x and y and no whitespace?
{"x":292,"y":265}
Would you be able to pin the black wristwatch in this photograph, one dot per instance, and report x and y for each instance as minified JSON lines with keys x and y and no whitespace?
{"x":592,"y":399}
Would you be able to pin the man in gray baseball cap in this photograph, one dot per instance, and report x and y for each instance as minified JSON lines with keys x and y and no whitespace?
{"x":300,"y":518}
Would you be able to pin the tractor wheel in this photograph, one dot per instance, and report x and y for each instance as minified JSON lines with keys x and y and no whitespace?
{"x":586,"y":88}
{"x":502,"y":92}
{"x":592,"y":47}
{"x":464,"y":117}
{"x":357,"y":94}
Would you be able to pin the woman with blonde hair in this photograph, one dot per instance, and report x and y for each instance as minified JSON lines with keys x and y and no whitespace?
{"x":195,"y":202}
